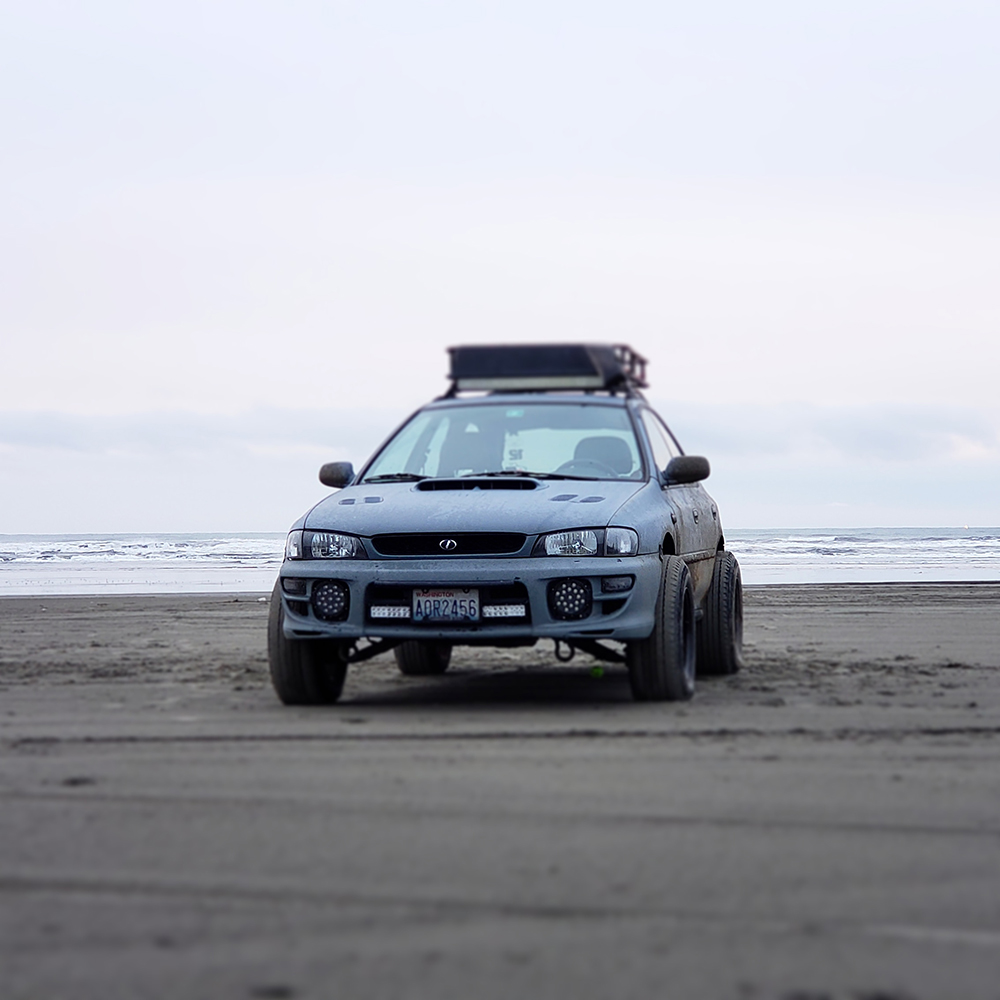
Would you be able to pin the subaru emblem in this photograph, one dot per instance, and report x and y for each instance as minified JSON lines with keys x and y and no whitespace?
{"x":448,"y":544}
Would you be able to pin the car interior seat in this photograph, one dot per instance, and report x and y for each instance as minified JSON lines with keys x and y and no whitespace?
{"x":465,"y":451}
{"x":610,"y":451}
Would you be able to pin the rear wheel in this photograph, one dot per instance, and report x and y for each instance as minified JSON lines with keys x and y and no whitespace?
{"x":662,"y":666}
{"x":720,"y":636}
{"x":303,"y":671}
{"x":421,"y":658}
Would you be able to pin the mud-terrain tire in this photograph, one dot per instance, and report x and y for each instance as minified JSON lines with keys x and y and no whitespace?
{"x":303,"y":671}
{"x":661,"y":667}
{"x":421,"y":658}
{"x":720,"y":633}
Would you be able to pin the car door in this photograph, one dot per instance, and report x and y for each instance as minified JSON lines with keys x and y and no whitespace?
{"x":691,"y":508}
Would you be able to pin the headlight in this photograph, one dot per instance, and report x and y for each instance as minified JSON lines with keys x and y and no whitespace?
{"x":621,"y":542}
{"x":571,"y":543}
{"x":589,"y":542}
{"x":322,"y":545}
{"x":331,"y":545}
{"x":293,"y":545}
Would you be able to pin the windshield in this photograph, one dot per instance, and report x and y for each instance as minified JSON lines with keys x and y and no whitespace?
{"x":557,"y":440}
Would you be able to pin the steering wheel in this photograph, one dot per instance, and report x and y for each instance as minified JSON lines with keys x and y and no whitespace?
{"x":587,"y":467}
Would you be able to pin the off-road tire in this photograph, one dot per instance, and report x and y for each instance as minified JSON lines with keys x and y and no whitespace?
{"x":303,"y":671}
{"x":720,"y":633}
{"x":661,"y":667}
{"x":422,"y":658}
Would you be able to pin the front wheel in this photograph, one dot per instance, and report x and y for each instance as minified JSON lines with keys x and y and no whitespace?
{"x":662,"y":666}
{"x":720,"y":636}
{"x":421,"y":658}
{"x":303,"y":671}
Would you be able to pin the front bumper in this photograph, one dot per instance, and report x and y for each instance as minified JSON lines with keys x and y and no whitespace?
{"x":620,"y":615}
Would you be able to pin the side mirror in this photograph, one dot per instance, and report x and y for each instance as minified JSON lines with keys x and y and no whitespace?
{"x":687,"y":469}
{"x":336,"y":474}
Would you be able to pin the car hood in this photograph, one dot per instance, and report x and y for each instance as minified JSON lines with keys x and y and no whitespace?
{"x":371,"y":509}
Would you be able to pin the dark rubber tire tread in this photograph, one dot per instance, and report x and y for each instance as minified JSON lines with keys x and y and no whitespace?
{"x":662,"y":666}
{"x":303,"y":671}
{"x":422,"y":658}
{"x":720,"y":633}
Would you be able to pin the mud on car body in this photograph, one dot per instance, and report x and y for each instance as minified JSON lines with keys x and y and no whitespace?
{"x":540,"y":497}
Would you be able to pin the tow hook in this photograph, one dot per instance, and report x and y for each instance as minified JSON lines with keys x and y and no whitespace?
{"x":568,"y":655}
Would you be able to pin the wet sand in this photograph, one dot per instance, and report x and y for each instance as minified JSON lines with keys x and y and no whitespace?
{"x":826,"y":824}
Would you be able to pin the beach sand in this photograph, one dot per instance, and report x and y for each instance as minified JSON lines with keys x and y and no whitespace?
{"x":824,"y":824}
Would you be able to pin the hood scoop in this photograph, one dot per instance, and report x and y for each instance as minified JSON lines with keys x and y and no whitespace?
{"x":433,"y":485}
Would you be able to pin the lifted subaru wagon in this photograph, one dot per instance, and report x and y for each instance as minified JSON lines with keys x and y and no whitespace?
{"x":540,"y":497}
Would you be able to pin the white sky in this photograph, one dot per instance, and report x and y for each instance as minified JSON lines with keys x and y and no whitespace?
{"x":219,"y":209}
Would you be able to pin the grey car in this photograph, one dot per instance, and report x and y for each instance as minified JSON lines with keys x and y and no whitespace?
{"x":540,"y":497}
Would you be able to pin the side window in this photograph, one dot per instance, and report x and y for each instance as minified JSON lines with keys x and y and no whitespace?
{"x":663,"y":445}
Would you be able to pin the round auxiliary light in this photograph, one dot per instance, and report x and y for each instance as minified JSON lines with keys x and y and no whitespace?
{"x":331,"y":600}
{"x":570,"y":600}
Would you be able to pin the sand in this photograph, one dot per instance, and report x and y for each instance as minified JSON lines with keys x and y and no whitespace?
{"x":824,"y":824}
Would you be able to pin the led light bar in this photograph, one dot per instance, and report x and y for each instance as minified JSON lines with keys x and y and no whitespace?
{"x":504,"y":611}
{"x":389,"y":611}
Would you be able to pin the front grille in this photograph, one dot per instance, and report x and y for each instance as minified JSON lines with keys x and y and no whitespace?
{"x":393,"y":602}
{"x":466,"y":543}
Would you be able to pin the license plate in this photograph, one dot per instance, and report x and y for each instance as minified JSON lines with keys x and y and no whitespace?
{"x":439,"y":604}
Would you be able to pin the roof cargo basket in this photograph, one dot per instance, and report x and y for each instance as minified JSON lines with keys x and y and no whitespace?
{"x":547,"y":368}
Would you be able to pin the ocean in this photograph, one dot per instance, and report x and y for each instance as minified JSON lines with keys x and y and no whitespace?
{"x":248,"y":562}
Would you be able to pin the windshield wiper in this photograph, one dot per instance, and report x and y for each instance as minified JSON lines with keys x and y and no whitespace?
{"x":395,"y":477}
{"x":528,"y":475}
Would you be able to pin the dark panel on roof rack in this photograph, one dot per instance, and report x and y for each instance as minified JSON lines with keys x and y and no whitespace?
{"x":546,"y":366}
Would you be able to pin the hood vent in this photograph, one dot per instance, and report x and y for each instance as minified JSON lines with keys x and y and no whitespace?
{"x":431,"y":485}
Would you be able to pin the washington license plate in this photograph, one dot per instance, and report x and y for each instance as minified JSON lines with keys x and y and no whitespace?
{"x":440,"y":604}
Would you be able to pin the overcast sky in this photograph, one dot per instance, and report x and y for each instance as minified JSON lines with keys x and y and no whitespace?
{"x":239,"y":236}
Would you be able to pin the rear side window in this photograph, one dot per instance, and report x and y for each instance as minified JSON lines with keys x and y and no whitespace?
{"x":663,"y":444}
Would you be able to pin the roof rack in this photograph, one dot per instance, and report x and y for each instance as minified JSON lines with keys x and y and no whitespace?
{"x":546,"y":368}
